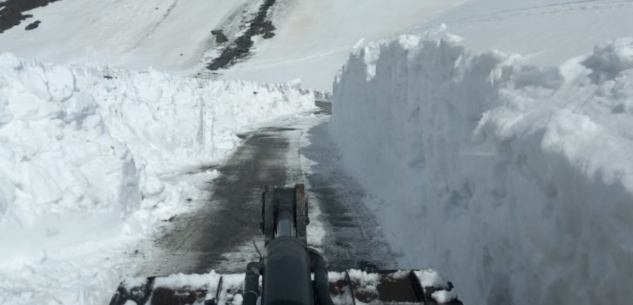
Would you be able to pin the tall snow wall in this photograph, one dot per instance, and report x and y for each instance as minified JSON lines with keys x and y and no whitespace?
{"x":516,"y":181}
{"x":91,"y":160}
{"x":77,"y":140}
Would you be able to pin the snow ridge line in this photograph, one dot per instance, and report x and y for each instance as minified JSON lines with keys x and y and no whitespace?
{"x":546,"y":9}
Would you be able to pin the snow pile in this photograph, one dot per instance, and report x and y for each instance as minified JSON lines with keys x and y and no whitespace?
{"x":87,"y":160}
{"x":443,"y":290}
{"x":610,"y":59}
{"x":84,"y":139}
{"x":515,"y":180}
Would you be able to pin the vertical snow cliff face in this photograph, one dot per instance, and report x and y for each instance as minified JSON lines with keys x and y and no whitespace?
{"x":53,"y":142}
{"x":516,"y":181}
{"x":92,"y":160}
{"x":97,"y":141}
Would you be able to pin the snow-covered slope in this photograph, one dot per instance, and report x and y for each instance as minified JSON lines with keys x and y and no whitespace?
{"x":545,"y":32}
{"x":314,"y":38}
{"x":515,"y":180}
{"x":87,"y":165}
{"x":164,"y":34}
{"x":311,"y":42}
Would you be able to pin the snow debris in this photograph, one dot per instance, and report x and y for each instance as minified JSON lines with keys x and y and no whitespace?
{"x":336,"y":276}
{"x":431,"y":278}
{"x":611,"y":58}
{"x":515,"y":180}
{"x":231,"y":284}
{"x":192,"y":280}
{"x":132,"y":282}
{"x":363,"y":276}
{"x":444,"y":296}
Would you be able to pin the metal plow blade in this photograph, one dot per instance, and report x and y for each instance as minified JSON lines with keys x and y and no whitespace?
{"x":181,"y":289}
{"x":346,"y":288}
{"x":391,"y":287}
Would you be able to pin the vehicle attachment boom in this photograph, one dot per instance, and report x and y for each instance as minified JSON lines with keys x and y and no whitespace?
{"x":289,"y":273}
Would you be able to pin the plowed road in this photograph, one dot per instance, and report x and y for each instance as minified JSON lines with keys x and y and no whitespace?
{"x":219,"y":234}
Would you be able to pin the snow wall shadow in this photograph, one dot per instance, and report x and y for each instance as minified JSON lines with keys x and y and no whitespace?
{"x":353,"y":238}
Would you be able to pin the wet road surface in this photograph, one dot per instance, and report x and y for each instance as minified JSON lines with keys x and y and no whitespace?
{"x":219,"y":235}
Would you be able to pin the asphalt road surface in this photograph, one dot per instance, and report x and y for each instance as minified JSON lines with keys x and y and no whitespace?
{"x":219,"y":234}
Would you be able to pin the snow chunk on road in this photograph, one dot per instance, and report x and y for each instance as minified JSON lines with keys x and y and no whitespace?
{"x":444,"y":296}
{"x":431,"y":278}
{"x":515,"y":180}
{"x":191,"y":280}
{"x":611,"y":58}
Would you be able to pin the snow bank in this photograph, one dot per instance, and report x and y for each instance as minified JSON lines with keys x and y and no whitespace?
{"x":87,"y":160}
{"x":516,"y":181}
{"x":89,"y":140}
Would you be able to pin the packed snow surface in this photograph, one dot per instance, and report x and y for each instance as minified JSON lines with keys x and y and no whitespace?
{"x":514,"y":179}
{"x":92,"y":159}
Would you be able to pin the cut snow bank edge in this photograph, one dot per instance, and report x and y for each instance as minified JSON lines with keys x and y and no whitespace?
{"x":88,"y":159}
{"x":516,"y":181}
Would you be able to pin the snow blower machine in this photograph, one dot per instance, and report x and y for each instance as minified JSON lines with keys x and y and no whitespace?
{"x":289,"y":272}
